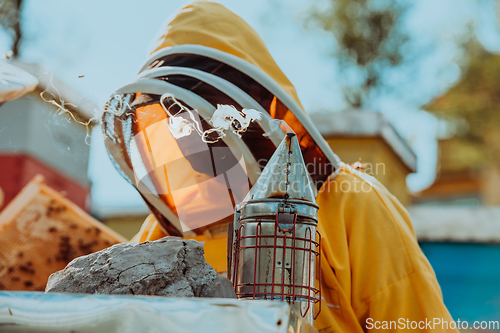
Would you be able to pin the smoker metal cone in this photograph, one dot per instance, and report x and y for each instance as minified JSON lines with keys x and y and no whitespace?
{"x":285,"y":175}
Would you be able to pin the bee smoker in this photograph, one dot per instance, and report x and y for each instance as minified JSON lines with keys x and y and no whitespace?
{"x":275,"y":245}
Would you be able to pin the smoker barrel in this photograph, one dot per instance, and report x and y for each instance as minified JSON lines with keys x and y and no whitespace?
{"x":276,"y":246}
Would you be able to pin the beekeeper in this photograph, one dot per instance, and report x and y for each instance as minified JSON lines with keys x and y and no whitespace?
{"x":192,"y":134}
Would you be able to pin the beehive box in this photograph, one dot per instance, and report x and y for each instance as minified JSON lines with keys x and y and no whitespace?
{"x":41,"y":232}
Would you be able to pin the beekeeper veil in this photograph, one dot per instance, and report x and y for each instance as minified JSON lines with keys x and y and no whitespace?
{"x":204,"y":115}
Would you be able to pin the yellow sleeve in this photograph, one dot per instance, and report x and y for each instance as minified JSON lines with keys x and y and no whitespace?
{"x":150,"y":231}
{"x":373,"y":268}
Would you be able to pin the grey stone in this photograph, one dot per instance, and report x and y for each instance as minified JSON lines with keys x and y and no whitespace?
{"x":170,"y":266}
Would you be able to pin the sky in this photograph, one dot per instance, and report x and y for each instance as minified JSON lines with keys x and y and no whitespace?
{"x":107,"y":42}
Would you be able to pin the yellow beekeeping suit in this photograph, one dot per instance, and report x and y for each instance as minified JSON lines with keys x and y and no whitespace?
{"x":372,"y":267}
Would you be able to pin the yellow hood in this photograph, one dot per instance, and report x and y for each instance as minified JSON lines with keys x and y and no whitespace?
{"x":213,"y":25}
{"x":204,"y":57}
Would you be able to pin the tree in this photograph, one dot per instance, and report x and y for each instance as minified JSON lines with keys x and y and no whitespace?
{"x":10,"y":12}
{"x":472,"y":106}
{"x":370,"y":39}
